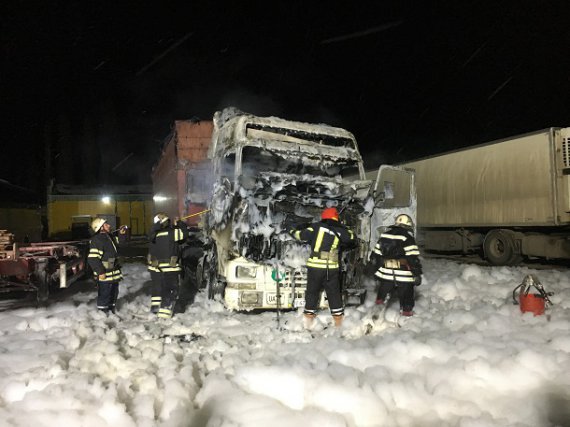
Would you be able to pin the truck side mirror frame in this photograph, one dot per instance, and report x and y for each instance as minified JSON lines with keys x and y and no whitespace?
{"x":379,"y":199}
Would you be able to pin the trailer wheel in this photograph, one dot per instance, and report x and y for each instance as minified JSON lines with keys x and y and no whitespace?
{"x":499,"y":248}
{"x":41,"y":279}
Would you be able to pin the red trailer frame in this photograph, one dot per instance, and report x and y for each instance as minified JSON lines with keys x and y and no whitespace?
{"x":42,"y":267}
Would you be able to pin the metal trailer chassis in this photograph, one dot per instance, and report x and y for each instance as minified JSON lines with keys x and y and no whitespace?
{"x":42,"y":267}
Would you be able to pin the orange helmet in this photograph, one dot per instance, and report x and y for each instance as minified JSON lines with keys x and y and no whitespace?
{"x":330,"y":213}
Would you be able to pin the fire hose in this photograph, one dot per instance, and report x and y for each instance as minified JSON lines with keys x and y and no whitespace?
{"x":195,"y":214}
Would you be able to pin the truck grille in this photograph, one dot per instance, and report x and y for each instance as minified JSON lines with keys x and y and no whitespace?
{"x":566,"y":151}
{"x":298,"y":277}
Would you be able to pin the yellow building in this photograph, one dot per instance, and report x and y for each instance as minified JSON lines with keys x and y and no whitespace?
{"x":70,"y":209}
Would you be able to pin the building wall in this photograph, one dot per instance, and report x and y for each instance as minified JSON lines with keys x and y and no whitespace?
{"x":182,"y":176}
{"x":137,"y":214}
{"x":193,"y":139}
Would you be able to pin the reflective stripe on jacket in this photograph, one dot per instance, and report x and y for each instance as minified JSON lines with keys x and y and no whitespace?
{"x":164,"y":246}
{"x":103,"y":257}
{"x":325,"y":238}
{"x":397,"y":255}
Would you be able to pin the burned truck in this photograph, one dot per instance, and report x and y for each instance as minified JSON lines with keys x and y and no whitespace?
{"x":272,"y":175}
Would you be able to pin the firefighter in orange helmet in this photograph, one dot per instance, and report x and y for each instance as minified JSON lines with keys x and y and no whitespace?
{"x":326,"y":237}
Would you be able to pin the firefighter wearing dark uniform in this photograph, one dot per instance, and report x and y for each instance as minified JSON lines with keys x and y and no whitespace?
{"x":164,"y":263}
{"x":103,"y":260}
{"x":325,"y":237}
{"x":396,"y":257}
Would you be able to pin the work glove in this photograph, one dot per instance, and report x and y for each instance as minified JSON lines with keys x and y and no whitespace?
{"x":417,"y":280}
{"x":353,"y":244}
{"x":370,"y":268}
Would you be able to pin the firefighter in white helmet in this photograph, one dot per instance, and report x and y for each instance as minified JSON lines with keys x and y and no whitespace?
{"x":164,"y":263}
{"x":103,"y":260}
{"x":395,"y":259}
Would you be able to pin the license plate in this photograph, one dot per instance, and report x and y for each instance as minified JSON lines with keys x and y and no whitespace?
{"x":271,"y":298}
{"x":299,"y":302}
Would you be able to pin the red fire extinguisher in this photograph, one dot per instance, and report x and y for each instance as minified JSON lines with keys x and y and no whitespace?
{"x":535,"y":302}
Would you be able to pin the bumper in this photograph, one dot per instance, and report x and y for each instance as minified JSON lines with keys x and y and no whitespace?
{"x":251,"y":286}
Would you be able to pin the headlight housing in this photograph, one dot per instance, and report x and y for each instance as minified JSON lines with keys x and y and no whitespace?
{"x":246,"y":272}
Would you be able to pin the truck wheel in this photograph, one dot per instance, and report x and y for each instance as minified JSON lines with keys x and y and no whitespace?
{"x":216,"y":289}
{"x":516,"y":259}
{"x":499,"y":248}
{"x":209,"y":274}
{"x":200,"y":274}
{"x":189,"y":279}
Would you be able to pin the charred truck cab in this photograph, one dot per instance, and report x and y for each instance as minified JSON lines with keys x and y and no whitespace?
{"x":270,"y":176}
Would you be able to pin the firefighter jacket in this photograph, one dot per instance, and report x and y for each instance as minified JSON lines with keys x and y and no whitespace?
{"x":325,"y":237}
{"x":103,"y":257}
{"x":396,"y":256}
{"x":164,"y":247}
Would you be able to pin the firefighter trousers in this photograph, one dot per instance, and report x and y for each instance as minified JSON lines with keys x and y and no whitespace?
{"x":164,"y":288}
{"x":107,"y":294}
{"x":319,"y":279}
{"x":404,"y":290}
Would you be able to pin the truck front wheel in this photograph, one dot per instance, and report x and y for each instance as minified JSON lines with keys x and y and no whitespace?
{"x":216,"y":289}
{"x":499,"y":248}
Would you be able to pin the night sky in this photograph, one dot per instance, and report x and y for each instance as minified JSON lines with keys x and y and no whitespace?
{"x":90,"y":89}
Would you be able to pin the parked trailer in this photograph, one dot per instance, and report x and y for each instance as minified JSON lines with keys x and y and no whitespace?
{"x":42,"y":267}
{"x":182,"y":178}
{"x":506,"y":199}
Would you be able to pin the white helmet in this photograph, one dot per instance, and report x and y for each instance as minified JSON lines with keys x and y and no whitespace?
{"x":97,"y":223}
{"x":161,"y":218}
{"x":404,"y":220}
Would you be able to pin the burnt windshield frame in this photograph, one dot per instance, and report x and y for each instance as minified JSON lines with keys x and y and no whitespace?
{"x":317,"y":138}
{"x":257,"y":159}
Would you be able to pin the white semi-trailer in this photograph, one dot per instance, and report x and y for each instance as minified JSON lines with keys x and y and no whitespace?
{"x":508,"y":199}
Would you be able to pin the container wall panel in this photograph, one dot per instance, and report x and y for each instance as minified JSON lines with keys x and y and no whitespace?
{"x":505,"y":183}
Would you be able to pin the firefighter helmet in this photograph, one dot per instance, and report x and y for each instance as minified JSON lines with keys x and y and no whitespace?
{"x":404,"y":220}
{"x":97,"y":223}
{"x":330,"y":213}
{"x":161,"y":218}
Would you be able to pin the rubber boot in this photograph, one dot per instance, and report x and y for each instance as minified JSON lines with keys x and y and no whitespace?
{"x":155,"y":303}
{"x":379,"y":301}
{"x":407,"y":313}
{"x":338,"y":321}
{"x":308,"y":320}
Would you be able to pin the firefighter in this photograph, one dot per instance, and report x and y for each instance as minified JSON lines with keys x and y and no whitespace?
{"x":326,"y":238}
{"x":395,"y":259}
{"x":164,"y":263}
{"x":103,"y":260}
